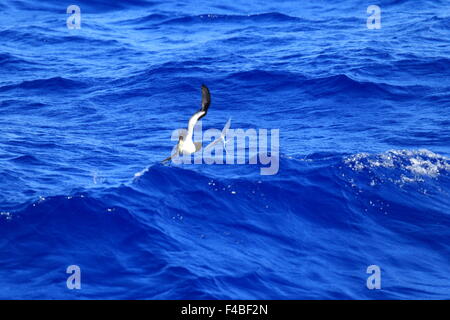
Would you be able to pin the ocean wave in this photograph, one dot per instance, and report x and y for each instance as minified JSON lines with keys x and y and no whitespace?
{"x":150,"y":226}
{"x":27,"y":160}
{"x":7,"y":59}
{"x":213,"y":18}
{"x":50,"y":83}
{"x":398,"y":167}
{"x":322,"y":86}
{"x":150,"y":18}
{"x":90,"y":6}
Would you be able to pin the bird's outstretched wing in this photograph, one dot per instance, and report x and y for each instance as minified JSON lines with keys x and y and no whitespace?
{"x":222,"y":137}
{"x":206,"y":101}
{"x":170,"y":158}
{"x":177,"y":152}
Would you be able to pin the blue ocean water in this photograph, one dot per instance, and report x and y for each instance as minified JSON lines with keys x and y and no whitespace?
{"x":364,"y":167}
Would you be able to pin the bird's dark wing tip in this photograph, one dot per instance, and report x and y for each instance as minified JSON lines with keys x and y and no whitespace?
{"x":206,"y":98}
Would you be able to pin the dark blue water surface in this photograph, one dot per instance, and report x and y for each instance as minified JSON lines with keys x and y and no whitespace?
{"x":364,"y":176}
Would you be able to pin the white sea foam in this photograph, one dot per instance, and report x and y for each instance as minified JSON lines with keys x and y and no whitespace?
{"x":139,"y":174}
{"x":414,"y":164}
{"x":7,"y":215}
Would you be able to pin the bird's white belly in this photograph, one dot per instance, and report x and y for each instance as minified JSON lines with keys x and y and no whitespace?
{"x":188,"y":147}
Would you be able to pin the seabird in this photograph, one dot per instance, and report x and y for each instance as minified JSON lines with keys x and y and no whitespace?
{"x":185,"y":143}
